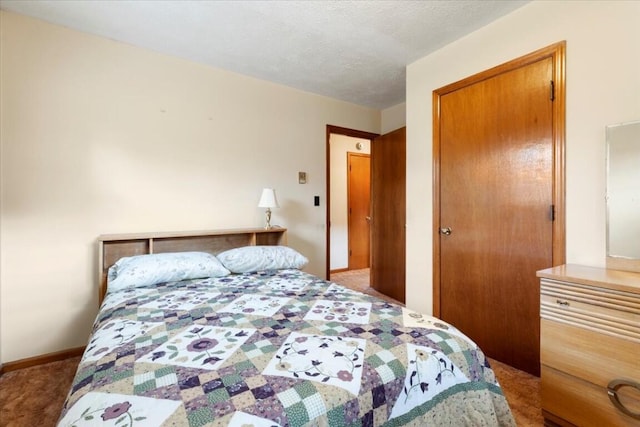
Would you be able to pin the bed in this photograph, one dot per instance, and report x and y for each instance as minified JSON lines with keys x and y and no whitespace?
{"x":264,"y":345}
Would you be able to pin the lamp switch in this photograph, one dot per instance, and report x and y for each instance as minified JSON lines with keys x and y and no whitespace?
{"x":316,"y":200}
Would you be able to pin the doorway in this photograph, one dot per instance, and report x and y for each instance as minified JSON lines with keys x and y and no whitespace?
{"x":343,"y":146}
{"x":386,"y":222}
{"x":499,"y":201}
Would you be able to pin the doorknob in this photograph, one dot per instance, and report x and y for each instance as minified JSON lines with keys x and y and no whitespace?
{"x":368,"y":218}
{"x":445,"y":230}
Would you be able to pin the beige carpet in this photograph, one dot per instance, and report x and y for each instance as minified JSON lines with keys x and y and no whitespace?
{"x":359,"y":280}
{"x":33,"y":397}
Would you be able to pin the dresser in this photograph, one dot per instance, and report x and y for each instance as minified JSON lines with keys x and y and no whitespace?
{"x":590,"y":346}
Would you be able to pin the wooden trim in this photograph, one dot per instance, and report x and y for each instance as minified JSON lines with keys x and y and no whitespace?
{"x":557,"y":52}
{"x":41,"y":360}
{"x":190,"y":233}
{"x":351,"y":132}
{"x":550,"y":51}
{"x":435,"y":238}
{"x":339,"y":270}
{"x":338,"y":131}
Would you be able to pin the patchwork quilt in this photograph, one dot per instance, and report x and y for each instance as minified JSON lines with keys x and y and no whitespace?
{"x":276,"y":348}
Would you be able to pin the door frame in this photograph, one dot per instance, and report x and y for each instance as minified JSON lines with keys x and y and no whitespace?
{"x":330,"y":129}
{"x":557,"y":52}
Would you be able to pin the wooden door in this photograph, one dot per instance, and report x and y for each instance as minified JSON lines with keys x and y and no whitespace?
{"x":496,"y":197}
{"x":358,"y":205}
{"x":388,"y":189}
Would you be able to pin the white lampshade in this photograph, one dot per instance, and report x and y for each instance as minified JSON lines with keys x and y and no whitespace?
{"x":268,"y":199}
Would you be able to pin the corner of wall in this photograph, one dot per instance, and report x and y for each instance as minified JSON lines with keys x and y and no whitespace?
{"x":393,"y":118}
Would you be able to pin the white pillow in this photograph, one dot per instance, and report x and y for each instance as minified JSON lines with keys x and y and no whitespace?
{"x":147,"y":270}
{"x":248,"y":259}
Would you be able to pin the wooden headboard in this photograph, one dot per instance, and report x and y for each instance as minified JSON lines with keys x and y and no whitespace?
{"x":112,"y":247}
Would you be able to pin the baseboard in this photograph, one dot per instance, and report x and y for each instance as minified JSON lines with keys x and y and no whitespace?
{"x":339,"y":270}
{"x":41,"y":360}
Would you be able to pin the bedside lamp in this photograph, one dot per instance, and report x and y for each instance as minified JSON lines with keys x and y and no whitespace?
{"x":268,"y":200}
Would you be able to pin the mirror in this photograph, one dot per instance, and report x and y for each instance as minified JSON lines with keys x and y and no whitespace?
{"x":623,"y":196}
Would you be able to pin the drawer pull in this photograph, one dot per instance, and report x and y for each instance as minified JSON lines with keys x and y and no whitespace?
{"x":561,"y":302}
{"x":612,"y":391}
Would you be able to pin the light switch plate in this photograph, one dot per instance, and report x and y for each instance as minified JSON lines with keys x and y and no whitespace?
{"x":302,"y":177}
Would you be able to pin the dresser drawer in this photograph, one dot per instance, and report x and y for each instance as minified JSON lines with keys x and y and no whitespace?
{"x":605,"y":311}
{"x":588,"y":355}
{"x":582,"y":403}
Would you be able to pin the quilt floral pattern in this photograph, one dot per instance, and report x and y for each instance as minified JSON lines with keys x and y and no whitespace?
{"x":333,"y":360}
{"x":199,"y":347}
{"x":119,"y":331}
{"x":347,"y":312}
{"x":276,"y":349}
{"x":259,"y":305}
{"x":181,"y":300}
{"x":107,"y":409}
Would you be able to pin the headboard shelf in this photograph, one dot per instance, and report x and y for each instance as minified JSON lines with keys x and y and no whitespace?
{"x":112,"y":247}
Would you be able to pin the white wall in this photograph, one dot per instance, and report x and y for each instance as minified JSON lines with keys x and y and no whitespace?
{"x":102,"y":137}
{"x":393,"y":118}
{"x":603,"y":87}
{"x":339,"y":146}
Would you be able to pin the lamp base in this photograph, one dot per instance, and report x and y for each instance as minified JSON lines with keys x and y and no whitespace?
{"x":268,"y":217}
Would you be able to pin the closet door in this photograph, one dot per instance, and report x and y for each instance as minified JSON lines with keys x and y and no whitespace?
{"x":496,"y":180}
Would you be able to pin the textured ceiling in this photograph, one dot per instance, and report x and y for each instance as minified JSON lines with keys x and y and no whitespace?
{"x":355,"y":51}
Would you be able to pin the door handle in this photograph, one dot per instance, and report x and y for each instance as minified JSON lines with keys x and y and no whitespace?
{"x":368,"y":218}
{"x":445,"y":230}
